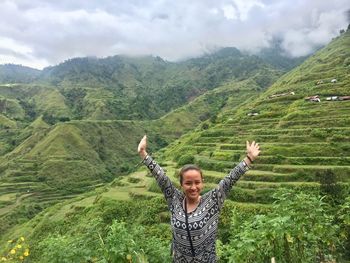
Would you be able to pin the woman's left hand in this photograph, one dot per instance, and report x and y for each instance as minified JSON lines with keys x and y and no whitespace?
{"x":253,"y":150}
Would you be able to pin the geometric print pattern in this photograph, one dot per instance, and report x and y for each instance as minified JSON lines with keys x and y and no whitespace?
{"x":202,"y":222}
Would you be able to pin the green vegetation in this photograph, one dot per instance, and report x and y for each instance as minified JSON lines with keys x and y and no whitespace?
{"x":287,"y":232}
{"x":68,"y":169}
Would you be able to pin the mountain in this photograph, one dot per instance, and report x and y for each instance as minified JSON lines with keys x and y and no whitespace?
{"x":302,"y":141}
{"x":277,"y":57}
{"x":138,"y":88}
{"x":61,"y":137}
{"x":10,"y":73}
{"x":121,"y":87}
{"x":305,"y":146}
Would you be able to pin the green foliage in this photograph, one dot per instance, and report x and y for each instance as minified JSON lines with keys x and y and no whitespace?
{"x":87,"y":146}
{"x":186,"y":159}
{"x":343,"y":217}
{"x":16,"y":251}
{"x":330,"y":188}
{"x":154,"y":187}
{"x":286,"y":232}
{"x":131,"y":244}
{"x":58,"y":248}
{"x":10,"y":73}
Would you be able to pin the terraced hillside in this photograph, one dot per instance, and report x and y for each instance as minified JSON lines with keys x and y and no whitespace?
{"x":54,"y":163}
{"x":301,"y":140}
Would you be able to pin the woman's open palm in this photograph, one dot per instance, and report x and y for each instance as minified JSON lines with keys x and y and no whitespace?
{"x":253,"y":150}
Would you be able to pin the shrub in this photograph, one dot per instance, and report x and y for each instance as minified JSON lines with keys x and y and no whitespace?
{"x":286,"y":232}
{"x":185,"y":159}
{"x":133,"y":180}
{"x":16,"y":251}
{"x":130,"y":244}
{"x":153,"y":187}
{"x":319,"y":134}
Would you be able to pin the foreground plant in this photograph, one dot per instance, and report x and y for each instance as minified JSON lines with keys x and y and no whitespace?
{"x":299,"y":228}
{"x":17,"y":251}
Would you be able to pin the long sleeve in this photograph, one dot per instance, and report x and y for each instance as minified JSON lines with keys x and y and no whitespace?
{"x":165,"y":184}
{"x":225,"y":185}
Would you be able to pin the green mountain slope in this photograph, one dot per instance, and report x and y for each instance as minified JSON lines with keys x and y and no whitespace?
{"x":137,"y":88}
{"x":10,"y":73}
{"x":54,"y":163}
{"x":300,"y":139}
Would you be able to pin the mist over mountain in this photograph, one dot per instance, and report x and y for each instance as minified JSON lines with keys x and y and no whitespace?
{"x":126,"y":87}
{"x":277,"y":56}
{"x":10,"y":73}
{"x":68,"y":161}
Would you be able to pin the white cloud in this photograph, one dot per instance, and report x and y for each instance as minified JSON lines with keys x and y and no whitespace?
{"x":41,"y":33}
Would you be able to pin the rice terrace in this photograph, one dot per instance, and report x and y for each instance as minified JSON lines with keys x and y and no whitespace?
{"x":75,"y":103}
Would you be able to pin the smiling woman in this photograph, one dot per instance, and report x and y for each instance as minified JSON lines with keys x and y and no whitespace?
{"x":194,"y":217}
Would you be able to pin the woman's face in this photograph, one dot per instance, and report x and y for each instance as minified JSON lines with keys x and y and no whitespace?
{"x":192,"y":184}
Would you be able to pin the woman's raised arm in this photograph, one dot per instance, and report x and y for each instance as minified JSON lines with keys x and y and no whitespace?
{"x":225,"y":185}
{"x":141,"y":149}
{"x":163,"y":181}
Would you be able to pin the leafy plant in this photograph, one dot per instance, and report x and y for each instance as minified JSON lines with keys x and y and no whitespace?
{"x":298,"y":229}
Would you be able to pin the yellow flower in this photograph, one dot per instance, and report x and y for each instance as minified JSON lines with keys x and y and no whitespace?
{"x":26,"y":253}
{"x":22,"y":238}
{"x":19,"y":246}
{"x":10,"y":241}
{"x":3,"y":259}
{"x":13,"y":251}
{"x":21,"y":257}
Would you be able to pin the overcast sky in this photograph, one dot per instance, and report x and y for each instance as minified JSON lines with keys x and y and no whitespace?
{"x":39,"y":33}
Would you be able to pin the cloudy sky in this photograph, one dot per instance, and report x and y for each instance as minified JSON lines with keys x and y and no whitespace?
{"x":39,"y":33}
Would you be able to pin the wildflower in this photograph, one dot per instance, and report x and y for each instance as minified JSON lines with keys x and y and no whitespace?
{"x":26,"y":253}
{"x":19,"y":246}
{"x":21,"y":257}
{"x":13,"y":251}
{"x":3,"y":259}
{"x":22,"y":238}
{"x":10,"y":241}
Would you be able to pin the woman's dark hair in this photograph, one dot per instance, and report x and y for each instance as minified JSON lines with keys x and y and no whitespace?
{"x":188,"y":167}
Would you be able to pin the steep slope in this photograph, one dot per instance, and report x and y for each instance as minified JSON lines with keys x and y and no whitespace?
{"x":139,"y":88}
{"x":302,"y":141}
{"x":295,"y":147}
{"x":58,"y":162}
{"x":122,"y":87}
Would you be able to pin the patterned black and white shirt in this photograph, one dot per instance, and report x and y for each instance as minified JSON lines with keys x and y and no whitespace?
{"x":202,"y":222}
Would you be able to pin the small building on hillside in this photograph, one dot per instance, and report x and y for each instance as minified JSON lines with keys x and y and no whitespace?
{"x":315,"y":98}
{"x":253,"y":114}
{"x":334,"y":80}
{"x":333,"y":98}
{"x":338,"y":98}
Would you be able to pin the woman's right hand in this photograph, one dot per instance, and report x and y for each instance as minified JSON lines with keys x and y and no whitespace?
{"x":141,"y":149}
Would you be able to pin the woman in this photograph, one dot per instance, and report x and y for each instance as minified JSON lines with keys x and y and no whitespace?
{"x":194,"y":218}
